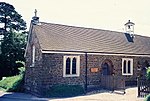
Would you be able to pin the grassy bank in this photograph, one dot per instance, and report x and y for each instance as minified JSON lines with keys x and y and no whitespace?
{"x":13,"y":83}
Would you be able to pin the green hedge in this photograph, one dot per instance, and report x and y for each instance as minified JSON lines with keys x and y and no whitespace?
{"x":13,"y":83}
{"x":65,"y":91}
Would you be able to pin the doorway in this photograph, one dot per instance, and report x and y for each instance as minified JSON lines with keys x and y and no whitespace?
{"x":107,"y":67}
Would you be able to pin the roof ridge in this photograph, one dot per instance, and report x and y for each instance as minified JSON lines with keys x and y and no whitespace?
{"x":82,"y":27}
{"x":92,"y":28}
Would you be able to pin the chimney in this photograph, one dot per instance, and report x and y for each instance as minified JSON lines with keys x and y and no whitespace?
{"x":35,"y":19}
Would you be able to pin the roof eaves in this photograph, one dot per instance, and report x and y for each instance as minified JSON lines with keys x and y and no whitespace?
{"x":102,"y":53}
{"x":30,"y":31}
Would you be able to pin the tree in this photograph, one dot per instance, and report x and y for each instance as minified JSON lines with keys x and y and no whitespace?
{"x":10,"y":18}
{"x":14,"y":42}
{"x":7,"y":56}
{"x":13,"y":49}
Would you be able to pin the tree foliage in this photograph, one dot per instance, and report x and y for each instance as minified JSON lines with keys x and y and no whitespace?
{"x":12,"y":49}
{"x":10,"y":18}
{"x":14,"y":41}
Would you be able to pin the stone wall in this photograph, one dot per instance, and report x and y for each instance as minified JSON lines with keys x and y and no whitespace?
{"x":97,"y":60}
{"x":52,"y":69}
{"x":33,"y":74}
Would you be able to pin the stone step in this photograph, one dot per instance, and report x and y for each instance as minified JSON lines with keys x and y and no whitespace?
{"x":122,"y":92}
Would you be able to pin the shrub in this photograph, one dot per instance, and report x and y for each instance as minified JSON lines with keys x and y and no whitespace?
{"x":148,"y":73}
{"x":20,"y":65}
{"x":21,"y":70}
{"x":147,"y":98}
{"x":65,"y":91}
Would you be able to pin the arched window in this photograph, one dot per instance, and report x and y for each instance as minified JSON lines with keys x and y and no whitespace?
{"x":33,"y":56}
{"x":129,"y":66}
{"x":74,"y":66}
{"x":71,"y":66}
{"x":124,"y":66}
{"x":68,"y":66}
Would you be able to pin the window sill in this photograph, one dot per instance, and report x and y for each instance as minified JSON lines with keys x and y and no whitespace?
{"x":71,"y":75}
{"x":127,"y":74}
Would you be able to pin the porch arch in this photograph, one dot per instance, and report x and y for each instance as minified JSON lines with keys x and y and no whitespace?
{"x":107,"y":67}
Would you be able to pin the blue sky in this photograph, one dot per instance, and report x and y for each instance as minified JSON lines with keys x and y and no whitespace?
{"x":101,"y":14}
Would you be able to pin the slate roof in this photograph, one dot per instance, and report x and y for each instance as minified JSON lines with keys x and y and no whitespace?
{"x":57,"y":37}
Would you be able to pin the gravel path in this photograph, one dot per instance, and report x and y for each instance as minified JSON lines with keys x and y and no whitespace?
{"x":131,"y":95}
